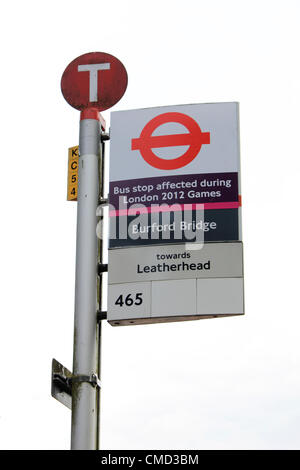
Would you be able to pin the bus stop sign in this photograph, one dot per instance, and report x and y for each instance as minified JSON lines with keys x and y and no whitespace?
{"x":94,"y":80}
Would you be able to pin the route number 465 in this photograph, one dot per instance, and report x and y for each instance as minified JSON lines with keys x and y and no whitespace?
{"x":129,"y":300}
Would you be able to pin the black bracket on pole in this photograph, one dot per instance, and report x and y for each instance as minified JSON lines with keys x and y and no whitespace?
{"x":101,"y":316}
{"x":103,"y":201}
{"x":104,"y":136}
{"x":102,"y":268}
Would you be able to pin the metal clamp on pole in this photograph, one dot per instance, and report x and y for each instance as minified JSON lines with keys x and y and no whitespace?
{"x":102,"y":268}
{"x":101,"y":315}
{"x":104,"y":136}
{"x":91,"y":379}
{"x":103,"y":201}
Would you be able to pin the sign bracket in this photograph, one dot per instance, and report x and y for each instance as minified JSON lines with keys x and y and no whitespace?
{"x":62,"y":380}
{"x":102,"y":268}
{"x":101,"y":315}
{"x":103,"y":201}
{"x":104,"y":137}
{"x":91,"y":379}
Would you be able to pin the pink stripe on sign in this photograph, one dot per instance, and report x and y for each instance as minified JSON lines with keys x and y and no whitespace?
{"x":175,"y":207}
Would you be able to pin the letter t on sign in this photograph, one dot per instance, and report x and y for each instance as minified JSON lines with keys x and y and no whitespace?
{"x":93,"y":70}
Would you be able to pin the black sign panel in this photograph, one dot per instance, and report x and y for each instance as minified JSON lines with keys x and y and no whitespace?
{"x":191,"y":226}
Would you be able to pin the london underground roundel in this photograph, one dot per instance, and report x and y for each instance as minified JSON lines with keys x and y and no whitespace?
{"x":195,"y":138}
{"x":94,"y":80}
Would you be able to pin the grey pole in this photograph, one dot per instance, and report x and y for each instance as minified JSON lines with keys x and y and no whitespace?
{"x":84,"y":394}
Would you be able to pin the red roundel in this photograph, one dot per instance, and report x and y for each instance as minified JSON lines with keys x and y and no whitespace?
{"x":195,"y":138}
{"x":94,"y":80}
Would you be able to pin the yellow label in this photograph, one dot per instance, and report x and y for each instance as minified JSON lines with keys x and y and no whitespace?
{"x":73,"y":173}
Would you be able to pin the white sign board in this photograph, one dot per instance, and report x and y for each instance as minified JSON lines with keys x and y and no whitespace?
{"x":175,"y":206}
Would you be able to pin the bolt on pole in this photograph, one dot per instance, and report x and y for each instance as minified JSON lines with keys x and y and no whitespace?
{"x":85,"y":355}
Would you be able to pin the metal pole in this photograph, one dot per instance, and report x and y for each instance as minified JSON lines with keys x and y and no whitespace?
{"x":84,"y":395}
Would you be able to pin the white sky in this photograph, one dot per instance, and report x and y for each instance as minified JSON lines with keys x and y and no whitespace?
{"x":230,"y":383}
